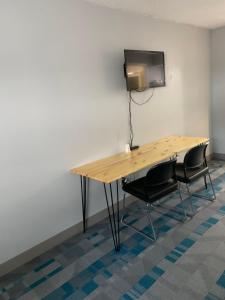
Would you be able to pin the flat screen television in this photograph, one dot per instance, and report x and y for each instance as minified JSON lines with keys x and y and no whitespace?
{"x":144,"y":69}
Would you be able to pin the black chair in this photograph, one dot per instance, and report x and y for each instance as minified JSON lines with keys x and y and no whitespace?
{"x":194,"y":167}
{"x":158,"y":182}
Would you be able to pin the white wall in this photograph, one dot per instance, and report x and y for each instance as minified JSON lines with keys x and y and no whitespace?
{"x":218,"y":89}
{"x":63,"y":103}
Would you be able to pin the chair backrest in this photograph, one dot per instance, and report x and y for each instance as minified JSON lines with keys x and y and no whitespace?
{"x":195,"y":157}
{"x":161,"y":173}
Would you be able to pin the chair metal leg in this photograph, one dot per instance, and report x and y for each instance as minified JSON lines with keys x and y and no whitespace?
{"x":182,"y":203}
{"x":167,"y":208}
{"x":206,"y":186}
{"x":214,"y":193}
{"x":137,"y":230}
{"x":114,"y":221}
{"x":202,"y":196}
{"x":188,"y":190}
{"x":154,"y":238}
{"x":191,"y":204}
{"x":124,"y":199}
{"x":150,"y":221}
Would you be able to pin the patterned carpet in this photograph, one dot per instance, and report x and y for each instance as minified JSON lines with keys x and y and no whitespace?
{"x":186,"y":262}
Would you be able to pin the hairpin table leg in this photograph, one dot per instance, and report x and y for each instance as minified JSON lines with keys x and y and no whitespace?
{"x":83,"y":183}
{"x":113,"y":213}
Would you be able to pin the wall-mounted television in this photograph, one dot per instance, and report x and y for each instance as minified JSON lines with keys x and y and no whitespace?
{"x":144,"y":69}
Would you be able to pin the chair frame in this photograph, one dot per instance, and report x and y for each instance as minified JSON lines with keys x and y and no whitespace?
{"x":149,"y":208}
{"x":150,"y":221}
{"x":205,"y":181}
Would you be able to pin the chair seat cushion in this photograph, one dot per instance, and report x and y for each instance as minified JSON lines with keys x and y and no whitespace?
{"x":191,"y":174}
{"x":151,"y":193}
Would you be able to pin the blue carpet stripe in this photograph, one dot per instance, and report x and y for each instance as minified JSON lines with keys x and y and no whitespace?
{"x":211,"y":296}
{"x":144,"y":283}
{"x":221,"y":280}
{"x":43,"y":265}
{"x":221,"y":283}
{"x":57,"y":270}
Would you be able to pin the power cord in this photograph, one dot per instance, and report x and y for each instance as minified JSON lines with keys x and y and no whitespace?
{"x":131,"y":99}
{"x":130,"y":124}
{"x":143,"y":103}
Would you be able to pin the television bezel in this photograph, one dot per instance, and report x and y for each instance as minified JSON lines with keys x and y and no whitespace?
{"x":147,"y":52}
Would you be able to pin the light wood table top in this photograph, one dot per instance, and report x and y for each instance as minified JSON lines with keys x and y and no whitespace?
{"x":112,"y":168}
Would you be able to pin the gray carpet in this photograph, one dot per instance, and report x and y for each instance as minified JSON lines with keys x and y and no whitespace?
{"x":186,"y":262}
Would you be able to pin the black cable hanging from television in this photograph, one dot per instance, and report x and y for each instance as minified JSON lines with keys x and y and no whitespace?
{"x":131,"y":99}
{"x":130,"y":125}
{"x":142,"y":103}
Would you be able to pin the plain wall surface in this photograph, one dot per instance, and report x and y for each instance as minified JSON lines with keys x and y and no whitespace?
{"x":64,"y":102}
{"x":218,"y":89}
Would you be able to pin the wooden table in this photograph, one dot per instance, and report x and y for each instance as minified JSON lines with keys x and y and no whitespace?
{"x":111,"y":169}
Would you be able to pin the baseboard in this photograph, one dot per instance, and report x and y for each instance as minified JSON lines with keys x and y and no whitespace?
{"x":209,"y":156}
{"x":43,"y":247}
{"x":219,"y":156}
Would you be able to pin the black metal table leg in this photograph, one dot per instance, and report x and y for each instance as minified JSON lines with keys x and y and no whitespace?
{"x":83,"y":183}
{"x":114,"y":217}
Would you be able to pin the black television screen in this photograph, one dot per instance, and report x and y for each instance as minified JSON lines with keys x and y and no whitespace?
{"x":144,"y":69}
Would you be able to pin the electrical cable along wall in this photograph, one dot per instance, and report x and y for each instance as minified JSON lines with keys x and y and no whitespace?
{"x":131,"y":99}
